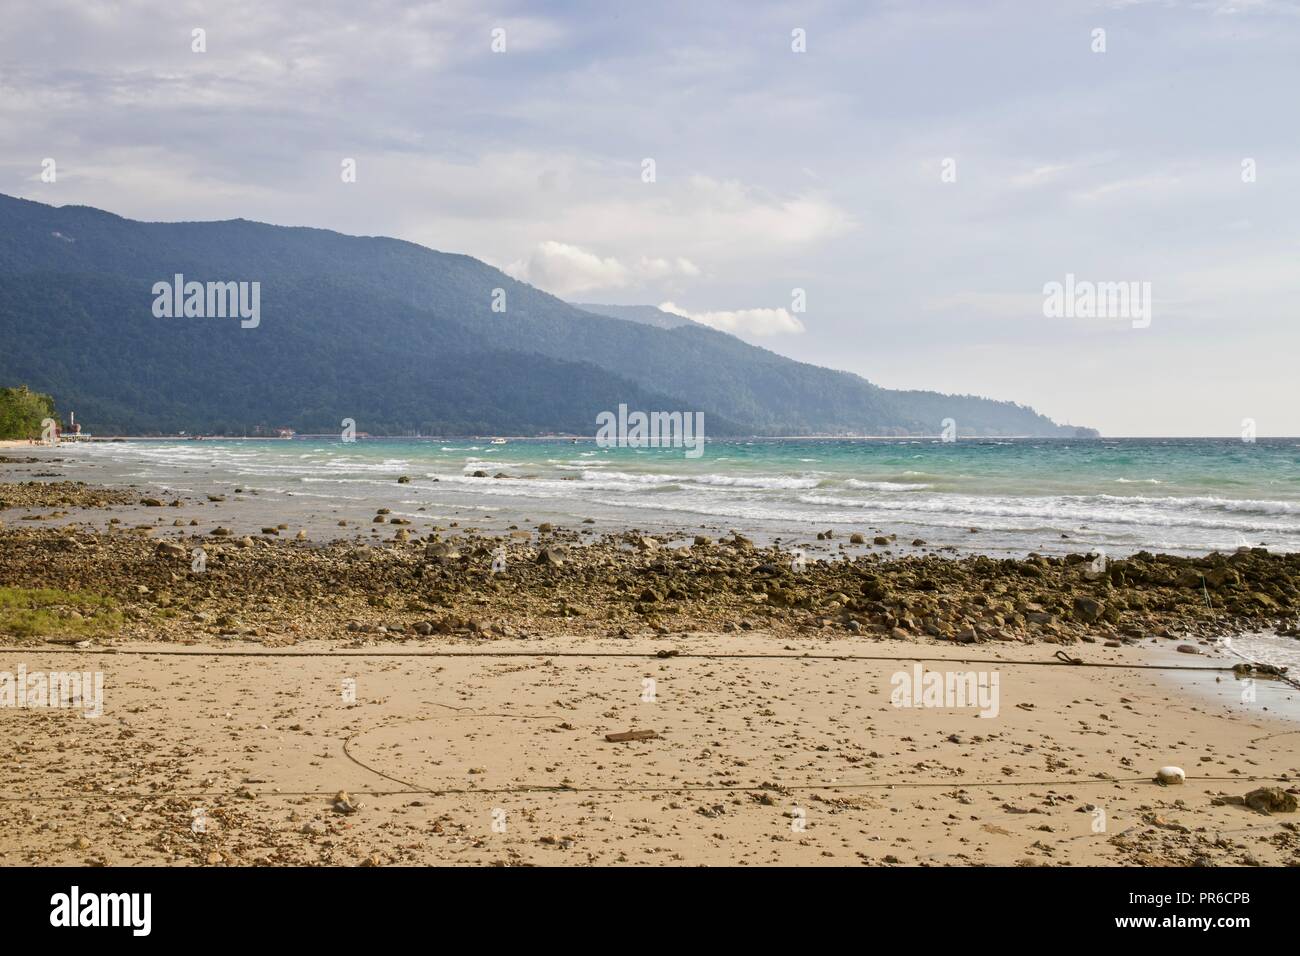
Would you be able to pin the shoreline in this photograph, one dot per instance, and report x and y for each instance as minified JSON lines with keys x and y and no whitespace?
{"x":938,"y":437}
{"x":788,"y":500}
{"x":669,"y":578}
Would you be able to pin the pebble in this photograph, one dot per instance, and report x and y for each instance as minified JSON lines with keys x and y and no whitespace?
{"x":1170,"y":776}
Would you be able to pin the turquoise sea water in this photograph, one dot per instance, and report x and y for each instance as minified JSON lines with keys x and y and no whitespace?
{"x":1121,"y":495}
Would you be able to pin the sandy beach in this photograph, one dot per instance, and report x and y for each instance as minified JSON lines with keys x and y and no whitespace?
{"x":382,"y":693}
{"x":777,"y":759}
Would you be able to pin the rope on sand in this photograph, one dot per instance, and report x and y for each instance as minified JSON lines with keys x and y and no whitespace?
{"x":660,"y":654}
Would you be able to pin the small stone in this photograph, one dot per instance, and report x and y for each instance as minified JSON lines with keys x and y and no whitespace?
{"x":343,"y":803}
{"x":1170,"y":776}
{"x":551,"y":556}
{"x":440,"y":551}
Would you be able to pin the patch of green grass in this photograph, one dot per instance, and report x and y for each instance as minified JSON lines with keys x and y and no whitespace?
{"x":49,"y":612}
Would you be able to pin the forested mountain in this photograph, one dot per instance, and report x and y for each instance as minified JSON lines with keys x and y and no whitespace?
{"x":394,"y":335}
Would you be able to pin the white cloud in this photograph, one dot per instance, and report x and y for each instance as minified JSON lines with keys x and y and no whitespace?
{"x":564,"y":269}
{"x":665,"y":268}
{"x":756,"y":322}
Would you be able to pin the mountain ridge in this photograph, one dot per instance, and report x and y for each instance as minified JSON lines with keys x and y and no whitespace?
{"x":405,"y":335}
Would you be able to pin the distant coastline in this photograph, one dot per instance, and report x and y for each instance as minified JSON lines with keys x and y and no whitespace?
{"x":99,"y":439}
{"x":589,"y":438}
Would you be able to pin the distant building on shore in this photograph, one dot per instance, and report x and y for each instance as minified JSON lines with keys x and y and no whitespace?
{"x":71,"y":431}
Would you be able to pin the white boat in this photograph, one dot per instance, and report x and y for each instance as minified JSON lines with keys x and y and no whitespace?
{"x":497,"y":441}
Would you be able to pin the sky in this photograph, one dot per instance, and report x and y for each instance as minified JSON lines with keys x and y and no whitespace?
{"x":883,"y":187}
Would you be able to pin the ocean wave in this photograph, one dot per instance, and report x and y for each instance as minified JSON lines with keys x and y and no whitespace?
{"x":885,"y":485}
{"x":1244,"y":505}
{"x":1056,"y":510}
{"x":628,"y":478}
{"x":754,"y":481}
{"x":1015,"y":502}
{"x":774,"y":482}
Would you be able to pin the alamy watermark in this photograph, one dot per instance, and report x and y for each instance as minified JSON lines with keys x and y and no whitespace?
{"x":946,"y":689}
{"x":54,"y":689}
{"x":130,"y":910}
{"x":1082,"y":299}
{"x":651,"y":430}
{"x":211,"y":300}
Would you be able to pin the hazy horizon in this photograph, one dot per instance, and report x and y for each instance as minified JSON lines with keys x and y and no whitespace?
{"x":921,"y":172}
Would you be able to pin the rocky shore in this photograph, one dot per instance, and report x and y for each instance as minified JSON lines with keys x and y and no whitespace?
{"x":180,"y":580}
{"x":59,"y":495}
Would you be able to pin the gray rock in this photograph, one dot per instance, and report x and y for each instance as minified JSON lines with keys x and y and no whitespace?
{"x":1089,"y":610}
{"x":440,"y":551}
{"x":552,"y":556}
